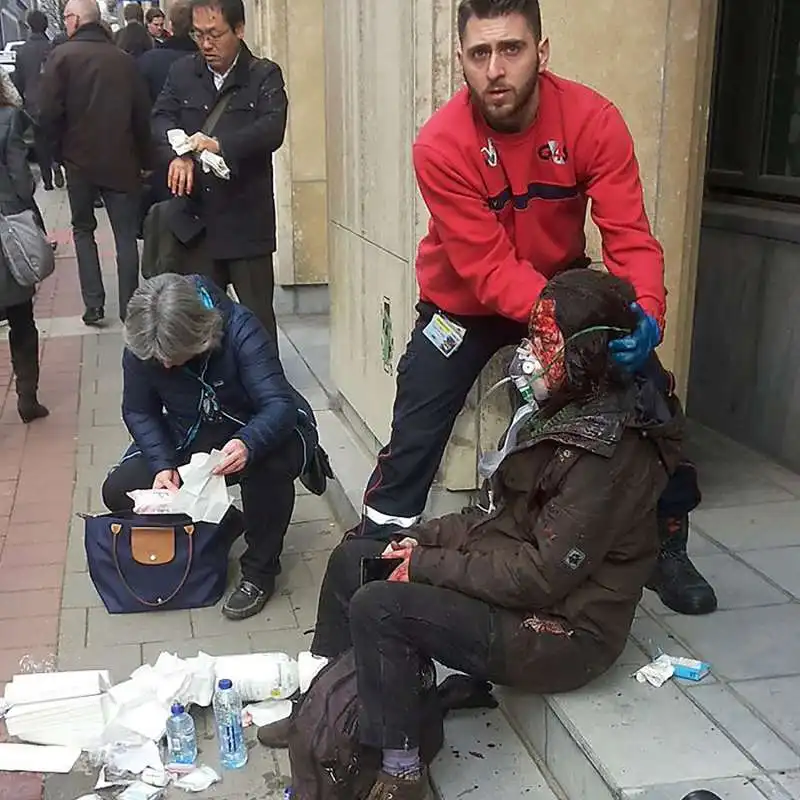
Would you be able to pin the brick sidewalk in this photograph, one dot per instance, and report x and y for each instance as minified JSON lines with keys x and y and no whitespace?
{"x":53,"y":469}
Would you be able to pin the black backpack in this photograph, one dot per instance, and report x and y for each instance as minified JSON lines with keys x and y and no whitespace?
{"x":328,"y":762}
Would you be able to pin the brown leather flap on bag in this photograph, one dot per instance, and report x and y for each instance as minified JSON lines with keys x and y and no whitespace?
{"x":153,"y":546}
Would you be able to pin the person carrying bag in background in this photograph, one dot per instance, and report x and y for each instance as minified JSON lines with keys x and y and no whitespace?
{"x":25,"y":257}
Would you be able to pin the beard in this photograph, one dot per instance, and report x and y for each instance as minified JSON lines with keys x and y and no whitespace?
{"x":511,"y":116}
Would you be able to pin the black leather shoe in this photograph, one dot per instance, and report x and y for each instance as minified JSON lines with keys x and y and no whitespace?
{"x":247,"y":599}
{"x":93,"y":317}
{"x":675,"y":579}
{"x":702,"y":794}
{"x":276,"y":735}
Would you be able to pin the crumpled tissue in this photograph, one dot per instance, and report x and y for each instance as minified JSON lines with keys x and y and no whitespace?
{"x":203,"y":496}
{"x":152,"y":501}
{"x":210,"y":162}
{"x":198,"y":780}
{"x":143,"y":702}
{"x":659,"y":671}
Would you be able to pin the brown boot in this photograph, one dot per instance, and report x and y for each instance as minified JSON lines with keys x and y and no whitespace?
{"x":387,"y":787}
{"x":24,"y":346}
{"x":276,"y":735}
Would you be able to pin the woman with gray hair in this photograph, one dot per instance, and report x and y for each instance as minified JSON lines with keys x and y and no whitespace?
{"x":201,"y":372}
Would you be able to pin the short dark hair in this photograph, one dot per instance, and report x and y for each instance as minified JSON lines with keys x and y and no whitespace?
{"x":488,"y":9}
{"x":180,"y":18}
{"x":37,"y":21}
{"x":586,"y":298}
{"x":133,"y":12}
{"x":232,"y":10}
{"x":153,"y":13}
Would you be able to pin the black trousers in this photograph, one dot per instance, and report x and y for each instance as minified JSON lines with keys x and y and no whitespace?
{"x":392,"y":627}
{"x":44,"y":155}
{"x":267,"y":498}
{"x":123,"y":214}
{"x":431,"y":391}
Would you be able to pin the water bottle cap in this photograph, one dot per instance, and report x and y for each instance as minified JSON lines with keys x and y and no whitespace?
{"x":177,"y":709}
{"x":225,"y":683}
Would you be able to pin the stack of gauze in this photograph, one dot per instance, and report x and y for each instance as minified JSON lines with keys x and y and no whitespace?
{"x":59,"y":708}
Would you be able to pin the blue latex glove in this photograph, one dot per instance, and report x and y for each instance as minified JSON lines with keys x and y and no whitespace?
{"x":632,"y":352}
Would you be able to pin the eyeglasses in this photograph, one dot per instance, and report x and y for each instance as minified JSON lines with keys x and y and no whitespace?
{"x":212,"y":36}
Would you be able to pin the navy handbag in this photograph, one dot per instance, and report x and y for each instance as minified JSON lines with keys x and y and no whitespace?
{"x":145,"y":563}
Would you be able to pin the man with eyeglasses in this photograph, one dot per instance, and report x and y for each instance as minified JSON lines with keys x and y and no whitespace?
{"x":232,"y":104}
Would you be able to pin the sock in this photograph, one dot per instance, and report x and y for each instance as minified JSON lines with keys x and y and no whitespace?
{"x":402,"y":763}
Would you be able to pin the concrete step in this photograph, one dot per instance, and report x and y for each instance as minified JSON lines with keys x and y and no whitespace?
{"x":612,"y":740}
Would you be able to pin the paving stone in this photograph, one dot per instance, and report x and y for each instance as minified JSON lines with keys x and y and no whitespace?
{"x":20,"y":786}
{"x":754,"y":527}
{"x":777,"y":701}
{"x":306,"y":537}
{"x":745,"y":727}
{"x":612,"y":713}
{"x":741,"y":644}
{"x":35,"y":554}
{"x":227,"y":645}
{"x":30,"y":604}
{"x":155,"y":626}
{"x":757,"y":788}
{"x":210,"y":622}
{"x":317,"y":562}
{"x":736,"y":585}
{"x":790,"y":782}
{"x":25,"y":632}
{"x":311,"y":508}
{"x":34,"y":532}
{"x":304,"y":604}
{"x":11,"y":658}
{"x":72,"y":629}
{"x":482,"y":757}
{"x":288,"y":640}
{"x":295,"y":574}
{"x":120,"y":660}
{"x":79,"y":591}
{"x":781,"y":565}
{"x":19,"y":579}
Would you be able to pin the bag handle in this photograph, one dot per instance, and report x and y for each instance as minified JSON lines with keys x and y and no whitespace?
{"x":116,"y":529}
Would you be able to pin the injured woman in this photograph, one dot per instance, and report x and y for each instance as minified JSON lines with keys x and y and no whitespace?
{"x":540,"y":593}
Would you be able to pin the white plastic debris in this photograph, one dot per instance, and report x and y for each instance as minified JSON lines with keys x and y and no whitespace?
{"x":198,"y":780}
{"x":32,"y":758}
{"x":659,"y":671}
{"x":141,"y":791}
{"x":266,"y":712}
{"x":59,"y":708}
{"x":308,"y":666}
{"x":260,"y":676}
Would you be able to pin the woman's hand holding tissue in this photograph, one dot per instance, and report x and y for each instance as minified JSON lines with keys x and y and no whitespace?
{"x":235,"y":460}
{"x":167,"y":479}
{"x":180,"y":177}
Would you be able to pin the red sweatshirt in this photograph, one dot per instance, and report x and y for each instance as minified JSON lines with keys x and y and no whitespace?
{"x":508,"y":210}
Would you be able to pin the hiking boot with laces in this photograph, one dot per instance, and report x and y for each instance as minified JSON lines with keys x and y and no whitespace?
{"x":388,"y":787}
{"x":675,"y":579}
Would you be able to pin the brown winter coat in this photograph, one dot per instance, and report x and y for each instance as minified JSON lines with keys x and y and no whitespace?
{"x":95,"y":107}
{"x":566,"y":554}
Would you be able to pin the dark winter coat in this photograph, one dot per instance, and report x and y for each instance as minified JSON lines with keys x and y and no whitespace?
{"x":155,"y":64}
{"x":95,"y":109}
{"x":28,"y":68}
{"x":16,"y":193}
{"x":238,"y":214}
{"x":160,"y":405}
{"x":566,"y":554}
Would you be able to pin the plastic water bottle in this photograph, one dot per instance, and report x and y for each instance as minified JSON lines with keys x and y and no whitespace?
{"x":181,"y":736}
{"x":230,"y":731}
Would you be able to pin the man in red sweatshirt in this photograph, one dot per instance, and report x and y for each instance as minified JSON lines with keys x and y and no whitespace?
{"x":508,"y":169}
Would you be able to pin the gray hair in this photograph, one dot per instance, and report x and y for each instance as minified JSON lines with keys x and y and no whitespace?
{"x":166,"y":320}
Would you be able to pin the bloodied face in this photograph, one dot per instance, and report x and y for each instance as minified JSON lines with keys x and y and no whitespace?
{"x":547,"y":343}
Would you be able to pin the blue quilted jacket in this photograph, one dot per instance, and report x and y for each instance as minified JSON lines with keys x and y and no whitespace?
{"x":165,"y":409}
